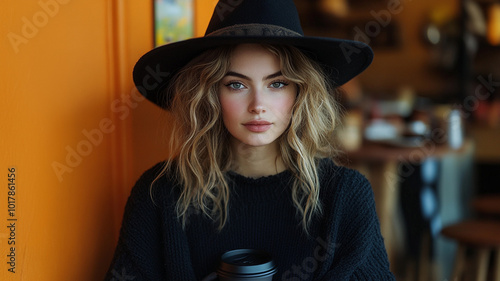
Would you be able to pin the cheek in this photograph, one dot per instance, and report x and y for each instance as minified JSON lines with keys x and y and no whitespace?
{"x":231,"y":108}
{"x":285,"y":108}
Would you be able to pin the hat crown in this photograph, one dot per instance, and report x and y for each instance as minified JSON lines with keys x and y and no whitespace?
{"x":248,"y":21}
{"x":280,"y":13}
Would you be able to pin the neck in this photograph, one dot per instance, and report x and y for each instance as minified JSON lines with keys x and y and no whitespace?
{"x":255,"y":162}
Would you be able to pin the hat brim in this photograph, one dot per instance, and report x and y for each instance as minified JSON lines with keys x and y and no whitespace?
{"x":341,"y":60}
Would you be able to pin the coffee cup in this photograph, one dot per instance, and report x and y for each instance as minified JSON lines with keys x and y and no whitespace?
{"x":246,"y":265}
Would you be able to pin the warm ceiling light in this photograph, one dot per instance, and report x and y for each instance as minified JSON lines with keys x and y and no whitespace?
{"x":338,"y":8}
{"x":494,"y":24}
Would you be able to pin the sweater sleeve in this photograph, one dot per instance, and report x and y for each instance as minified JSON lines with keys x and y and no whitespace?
{"x":152,"y":244}
{"x":359,"y":247}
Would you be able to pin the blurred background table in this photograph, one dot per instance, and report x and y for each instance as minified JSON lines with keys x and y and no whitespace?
{"x":390,"y":167}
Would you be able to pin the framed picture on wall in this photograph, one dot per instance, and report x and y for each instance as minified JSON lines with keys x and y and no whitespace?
{"x":173,"y":21}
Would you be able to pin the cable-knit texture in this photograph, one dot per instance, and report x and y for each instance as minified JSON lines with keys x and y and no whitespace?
{"x":344,"y":243}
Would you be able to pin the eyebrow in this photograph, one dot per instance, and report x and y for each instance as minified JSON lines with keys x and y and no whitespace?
{"x":271,"y":76}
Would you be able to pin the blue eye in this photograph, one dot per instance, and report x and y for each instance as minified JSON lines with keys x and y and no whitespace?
{"x":278,"y":85}
{"x":235,"y":85}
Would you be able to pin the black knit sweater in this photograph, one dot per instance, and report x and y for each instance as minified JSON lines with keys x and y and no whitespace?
{"x":344,"y":243}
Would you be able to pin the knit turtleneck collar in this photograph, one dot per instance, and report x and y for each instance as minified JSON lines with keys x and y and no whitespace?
{"x":260,"y":189}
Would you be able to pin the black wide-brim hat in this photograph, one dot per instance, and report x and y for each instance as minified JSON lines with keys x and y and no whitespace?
{"x":249,"y":21}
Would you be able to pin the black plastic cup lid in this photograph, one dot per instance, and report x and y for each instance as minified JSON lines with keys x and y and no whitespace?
{"x":246,"y":262}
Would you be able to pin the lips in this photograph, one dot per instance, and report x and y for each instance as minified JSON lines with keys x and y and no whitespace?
{"x":258,"y":126}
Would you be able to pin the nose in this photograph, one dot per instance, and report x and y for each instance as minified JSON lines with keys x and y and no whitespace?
{"x":256,"y":105}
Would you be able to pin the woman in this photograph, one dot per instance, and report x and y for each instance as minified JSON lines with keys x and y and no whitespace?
{"x":254,"y":109}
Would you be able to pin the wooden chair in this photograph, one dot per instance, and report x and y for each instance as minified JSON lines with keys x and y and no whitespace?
{"x":482,"y":236}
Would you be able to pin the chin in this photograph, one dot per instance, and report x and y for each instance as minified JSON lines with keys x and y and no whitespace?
{"x":255,"y":142}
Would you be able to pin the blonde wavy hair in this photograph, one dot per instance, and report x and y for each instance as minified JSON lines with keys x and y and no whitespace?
{"x":199,"y":141}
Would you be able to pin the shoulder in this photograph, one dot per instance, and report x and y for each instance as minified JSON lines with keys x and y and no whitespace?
{"x":152,"y":185}
{"x":152,"y":173}
{"x":340,"y":181}
{"x":330,"y":172}
{"x":347,"y":198}
{"x":147,"y":178}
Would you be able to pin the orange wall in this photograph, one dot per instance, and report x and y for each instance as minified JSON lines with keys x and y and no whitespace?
{"x":204,"y":9}
{"x":148,"y":122}
{"x":65,"y":67}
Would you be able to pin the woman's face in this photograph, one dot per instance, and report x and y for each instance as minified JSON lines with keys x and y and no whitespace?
{"x":256,"y":99}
